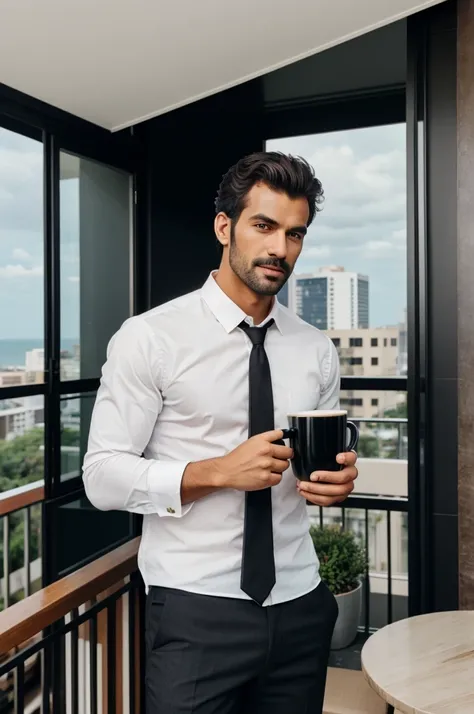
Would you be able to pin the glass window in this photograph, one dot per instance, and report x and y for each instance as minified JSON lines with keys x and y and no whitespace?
{"x":355,"y":360}
{"x":382,"y":421}
{"x":21,"y":260}
{"x":76,"y":412}
{"x":95,"y":244}
{"x":21,"y":441}
{"x":354,"y":255}
{"x":86,"y":532}
{"x":336,"y":341}
{"x":374,"y":361}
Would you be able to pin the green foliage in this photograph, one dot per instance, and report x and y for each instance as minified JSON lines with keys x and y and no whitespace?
{"x":343,"y":561}
{"x":399,"y":412}
{"x":21,"y":460}
{"x":368,"y":446}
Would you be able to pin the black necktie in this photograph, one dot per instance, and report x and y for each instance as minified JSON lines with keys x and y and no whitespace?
{"x":258,"y":561}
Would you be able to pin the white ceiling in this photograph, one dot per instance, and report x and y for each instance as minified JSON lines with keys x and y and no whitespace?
{"x":119,"y":62}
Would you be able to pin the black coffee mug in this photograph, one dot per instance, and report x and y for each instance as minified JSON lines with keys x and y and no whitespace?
{"x":316,"y":438}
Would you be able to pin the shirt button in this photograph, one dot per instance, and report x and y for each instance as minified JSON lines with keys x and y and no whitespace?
{"x":170,"y":510}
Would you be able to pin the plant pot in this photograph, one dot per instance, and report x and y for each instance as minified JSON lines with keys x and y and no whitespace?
{"x":347,"y":622}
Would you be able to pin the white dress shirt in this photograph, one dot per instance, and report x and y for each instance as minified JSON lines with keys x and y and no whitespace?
{"x":174,"y":389}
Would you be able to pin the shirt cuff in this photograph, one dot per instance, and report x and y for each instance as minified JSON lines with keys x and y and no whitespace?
{"x":164,"y":488}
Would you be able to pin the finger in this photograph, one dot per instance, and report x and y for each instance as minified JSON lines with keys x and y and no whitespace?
{"x":325,"y":501}
{"x":343,"y":476}
{"x":279,"y":465}
{"x":281,"y":452}
{"x":348,"y":458}
{"x":326,"y":489}
{"x":274,"y":435}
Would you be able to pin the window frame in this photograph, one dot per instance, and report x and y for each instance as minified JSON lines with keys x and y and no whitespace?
{"x":59,"y":131}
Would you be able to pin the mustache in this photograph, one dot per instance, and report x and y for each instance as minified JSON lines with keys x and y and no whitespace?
{"x":272,"y":263}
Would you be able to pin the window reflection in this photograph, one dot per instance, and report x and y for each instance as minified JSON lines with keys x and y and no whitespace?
{"x":95,"y":236}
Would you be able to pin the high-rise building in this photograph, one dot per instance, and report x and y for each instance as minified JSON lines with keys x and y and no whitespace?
{"x":287,"y":295}
{"x":333,"y":299}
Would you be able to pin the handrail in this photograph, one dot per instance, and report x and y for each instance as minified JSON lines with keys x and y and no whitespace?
{"x":21,"y":497}
{"x":25,"y":619}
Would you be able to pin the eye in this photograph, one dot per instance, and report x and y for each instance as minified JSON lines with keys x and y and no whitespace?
{"x":298,"y":236}
{"x":262,"y":226}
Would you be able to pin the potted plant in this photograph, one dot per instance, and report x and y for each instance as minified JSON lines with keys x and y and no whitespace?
{"x":343,"y":562}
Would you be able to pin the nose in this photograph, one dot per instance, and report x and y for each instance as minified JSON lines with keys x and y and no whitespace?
{"x":277,"y":245}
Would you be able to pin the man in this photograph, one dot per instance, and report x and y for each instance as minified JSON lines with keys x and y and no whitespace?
{"x":186,"y":430}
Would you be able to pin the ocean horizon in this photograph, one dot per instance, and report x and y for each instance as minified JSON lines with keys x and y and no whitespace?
{"x":13,"y":352}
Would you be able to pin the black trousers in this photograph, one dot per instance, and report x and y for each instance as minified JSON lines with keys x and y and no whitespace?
{"x":211,"y":655}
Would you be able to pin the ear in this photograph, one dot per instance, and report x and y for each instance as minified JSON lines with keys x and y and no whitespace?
{"x":222,"y":229}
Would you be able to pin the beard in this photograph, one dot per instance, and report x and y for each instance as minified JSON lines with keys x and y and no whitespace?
{"x":250,"y":276}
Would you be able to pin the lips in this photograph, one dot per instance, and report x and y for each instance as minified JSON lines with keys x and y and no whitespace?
{"x":271,"y":270}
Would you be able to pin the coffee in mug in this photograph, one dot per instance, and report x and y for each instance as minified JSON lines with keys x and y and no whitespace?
{"x":316,"y":438}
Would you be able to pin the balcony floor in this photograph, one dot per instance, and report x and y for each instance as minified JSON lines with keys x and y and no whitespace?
{"x":349,"y":658}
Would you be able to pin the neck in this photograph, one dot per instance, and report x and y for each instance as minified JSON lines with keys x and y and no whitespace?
{"x":255,"y":306}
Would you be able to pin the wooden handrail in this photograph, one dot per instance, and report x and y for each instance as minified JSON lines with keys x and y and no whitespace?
{"x":21,"y":497}
{"x":25,"y":619}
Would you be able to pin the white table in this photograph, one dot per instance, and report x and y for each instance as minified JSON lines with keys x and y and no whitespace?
{"x":424,"y":664}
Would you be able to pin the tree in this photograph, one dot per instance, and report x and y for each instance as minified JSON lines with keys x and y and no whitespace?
{"x":398,"y":412}
{"x":368,"y":446}
{"x":21,"y":460}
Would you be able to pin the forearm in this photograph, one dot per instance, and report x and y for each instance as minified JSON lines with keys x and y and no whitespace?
{"x":200,"y":479}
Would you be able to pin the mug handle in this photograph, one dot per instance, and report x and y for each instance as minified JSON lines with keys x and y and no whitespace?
{"x":354,"y":436}
{"x":289,"y":433}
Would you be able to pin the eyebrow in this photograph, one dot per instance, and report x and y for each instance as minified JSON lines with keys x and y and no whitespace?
{"x":272,"y":222}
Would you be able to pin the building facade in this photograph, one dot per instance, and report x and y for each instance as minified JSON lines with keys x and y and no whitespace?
{"x":333,"y":299}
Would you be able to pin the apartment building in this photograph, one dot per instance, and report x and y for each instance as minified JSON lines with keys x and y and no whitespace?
{"x":372,"y":352}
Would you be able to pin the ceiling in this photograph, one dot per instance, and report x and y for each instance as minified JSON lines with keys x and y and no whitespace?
{"x":119,"y":62}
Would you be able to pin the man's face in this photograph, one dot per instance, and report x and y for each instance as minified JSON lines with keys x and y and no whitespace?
{"x":267,"y":239}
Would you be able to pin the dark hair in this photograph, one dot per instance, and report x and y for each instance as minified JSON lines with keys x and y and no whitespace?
{"x":282,"y":172}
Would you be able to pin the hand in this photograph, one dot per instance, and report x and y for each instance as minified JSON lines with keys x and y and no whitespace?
{"x":256,"y":464}
{"x":326,"y":488}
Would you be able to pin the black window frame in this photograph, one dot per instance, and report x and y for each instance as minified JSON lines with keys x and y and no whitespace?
{"x":59,"y":131}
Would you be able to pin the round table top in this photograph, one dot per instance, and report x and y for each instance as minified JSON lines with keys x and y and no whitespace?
{"x":424,"y":664}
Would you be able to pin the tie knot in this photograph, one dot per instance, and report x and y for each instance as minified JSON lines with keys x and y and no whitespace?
{"x":256,"y":334}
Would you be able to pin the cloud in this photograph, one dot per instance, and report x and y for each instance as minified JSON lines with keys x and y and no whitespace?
{"x":317,"y":251}
{"x":362,"y":224}
{"x":21,"y":182}
{"x":19,"y":271}
{"x":20,"y":254}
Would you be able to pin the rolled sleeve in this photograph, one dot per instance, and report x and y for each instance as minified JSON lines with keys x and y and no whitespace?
{"x":164,"y":488}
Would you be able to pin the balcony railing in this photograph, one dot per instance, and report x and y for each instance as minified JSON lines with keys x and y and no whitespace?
{"x":20,"y":566}
{"x":389,"y":435}
{"x":75,"y":646}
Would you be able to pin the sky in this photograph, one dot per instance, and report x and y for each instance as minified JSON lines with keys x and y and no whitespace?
{"x":21,"y":242}
{"x":362,"y":225}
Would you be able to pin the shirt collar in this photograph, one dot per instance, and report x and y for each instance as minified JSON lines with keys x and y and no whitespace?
{"x":227,"y":312}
